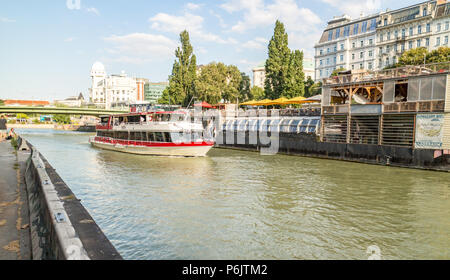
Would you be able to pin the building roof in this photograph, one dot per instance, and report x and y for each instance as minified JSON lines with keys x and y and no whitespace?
{"x":27,"y":102}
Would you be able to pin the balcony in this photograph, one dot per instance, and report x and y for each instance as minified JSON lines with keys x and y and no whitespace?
{"x":420,"y":106}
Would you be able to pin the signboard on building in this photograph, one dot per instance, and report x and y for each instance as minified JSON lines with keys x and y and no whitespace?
{"x":429,"y":129}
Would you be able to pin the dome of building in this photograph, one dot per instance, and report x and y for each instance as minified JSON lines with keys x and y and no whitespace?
{"x":98,"y":68}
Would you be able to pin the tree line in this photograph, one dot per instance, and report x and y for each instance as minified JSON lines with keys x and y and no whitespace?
{"x":216,"y":81}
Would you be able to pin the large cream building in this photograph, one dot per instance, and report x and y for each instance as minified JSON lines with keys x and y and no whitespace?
{"x":107,"y":90}
{"x":377,"y":41}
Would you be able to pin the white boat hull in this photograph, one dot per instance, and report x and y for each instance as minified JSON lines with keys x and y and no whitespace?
{"x":184,"y":151}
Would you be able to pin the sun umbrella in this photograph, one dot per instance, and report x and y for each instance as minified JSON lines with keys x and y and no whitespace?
{"x":203,"y":105}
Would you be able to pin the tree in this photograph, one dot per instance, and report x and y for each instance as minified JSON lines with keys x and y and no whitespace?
{"x":2,"y":103}
{"x":336,"y":72}
{"x":181,"y":87}
{"x":244,"y":88}
{"x":441,"y":54}
{"x":308,"y":84}
{"x":218,"y":81}
{"x":257,"y":93}
{"x":62,"y":119}
{"x":277,"y":64}
{"x":295,"y":84}
{"x":413,"y":57}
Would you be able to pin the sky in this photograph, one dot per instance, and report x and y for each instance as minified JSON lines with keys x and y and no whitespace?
{"x":48,"y":47}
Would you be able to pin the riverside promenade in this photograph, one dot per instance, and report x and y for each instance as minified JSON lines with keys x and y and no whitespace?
{"x":14,"y":215}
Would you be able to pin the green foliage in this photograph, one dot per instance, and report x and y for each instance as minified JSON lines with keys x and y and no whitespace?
{"x":61,"y":119}
{"x":218,"y":81}
{"x":22,"y":116}
{"x":2,"y":103}
{"x":284,"y":69}
{"x":257,"y":93}
{"x":295,"y":83}
{"x":441,"y":54}
{"x":277,"y":64}
{"x":14,"y":143}
{"x":244,"y":88}
{"x":336,"y":72}
{"x":413,"y":57}
{"x":181,"y":87}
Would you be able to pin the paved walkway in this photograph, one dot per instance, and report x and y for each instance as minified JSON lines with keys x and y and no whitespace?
{"x":14,"y":214}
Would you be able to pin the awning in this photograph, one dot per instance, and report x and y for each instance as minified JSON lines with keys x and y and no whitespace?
{"x":203,"y":105}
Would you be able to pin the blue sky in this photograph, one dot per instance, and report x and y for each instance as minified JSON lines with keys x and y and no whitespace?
{"x":47,"y":47}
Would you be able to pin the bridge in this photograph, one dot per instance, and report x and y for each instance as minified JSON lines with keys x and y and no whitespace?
{"x":58,"y":111}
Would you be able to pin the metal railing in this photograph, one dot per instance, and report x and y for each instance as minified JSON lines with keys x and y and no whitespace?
{"x":402,"y":72}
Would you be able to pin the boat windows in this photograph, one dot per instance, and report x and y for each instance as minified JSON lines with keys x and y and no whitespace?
{"x":265,"y":125}
{"x":159,"y":137}
{"x":243,"y":126}
{"x":274,"y":126}
{"x":235,"y":125}
{"x":229,"y":125}
{"x":167,"y":137}
{"x":251,"y":125}
{"x":151,"y":137}
{"x":304,"y":125}
{"x":293,"y":128}
{"x":284,"y":127}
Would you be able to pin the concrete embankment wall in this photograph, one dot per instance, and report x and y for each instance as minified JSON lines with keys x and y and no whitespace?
{"x":61,"y":228}
{"x":308,"y":145}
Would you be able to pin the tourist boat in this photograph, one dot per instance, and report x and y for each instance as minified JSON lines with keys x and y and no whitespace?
{"x":161,"y":133}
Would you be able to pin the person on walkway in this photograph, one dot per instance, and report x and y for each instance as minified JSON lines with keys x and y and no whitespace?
{"x":3,"y":128}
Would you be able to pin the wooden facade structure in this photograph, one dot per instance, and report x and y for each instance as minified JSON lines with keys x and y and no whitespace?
{"x":404,"y":107}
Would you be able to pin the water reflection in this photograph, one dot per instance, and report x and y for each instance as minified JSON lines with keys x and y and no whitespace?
{"x":240,"y":205}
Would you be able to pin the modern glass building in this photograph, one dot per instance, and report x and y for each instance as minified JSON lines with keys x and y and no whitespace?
{"x":154,"y":91}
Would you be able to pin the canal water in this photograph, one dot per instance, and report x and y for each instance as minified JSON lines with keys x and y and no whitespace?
{"x":240,"y":205}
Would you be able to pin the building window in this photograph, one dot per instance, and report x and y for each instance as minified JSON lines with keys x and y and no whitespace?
{"x":355,"y":28}
{"x":353,"y":56}
{"x":403,"y":47}
{"x":346,"y":31}
{"x":370,"y":53}
{"x":424,"y":11}
{"x":381,"y":50}
{"x":385,"y":21}
{"x":321,"y":63}
{"x":321,"y":73}
{"x":334,"y":60}
{"x":370,"y":65}
{"x":361,"y":54}
{"x":321,"y":52}
{"x":387,"y":61}
{"x":335,"y":48}
{"x":394,"y":60}
{"x":418,"y":43}
{"x":361,"y":43}
{"x":388,"y":48}
{"x":328,"y":61}
{"x":446,"y":25}
{"x":438,"y":41}
{"x":427,"y":42}
{"x":328,"y":50}
{"x":353,"y":67}
{"x":403,"y":33}
{"x":364,"y":27}
{"x":445,"y":40}
{"x":428,"y":27}
{"x":438,"y":27}
{"x":370,"y":42}
{"x":395,"y":34}
{"x":360,"y":66}
{"x":342,"y":47}
{"x":389,"y":36}
{"x":395,"y":47}
{"x":373,"y":24}
{"x":411,"y":31}
{"x":330,"y":35}
{"x":419,"y":29}
{"x":342,"y":57}
{"x":410,"y":44}
{"x":338,"y":32}
{"x":354,"y":45}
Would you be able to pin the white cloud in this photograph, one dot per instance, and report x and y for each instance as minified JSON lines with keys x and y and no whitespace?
{"x":93,"y":10}
{"x":354,"y":8}
{"x":73,"y":4}
{"x":302,"y":25}
{"x":257,"y":43}
{"x":139,"y":48}
{"x":257,"y":14}
{"x":70,"y":39}
{"x":193,"y":6}
{"x":6,"y":20}
{"x":190,"y":22}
